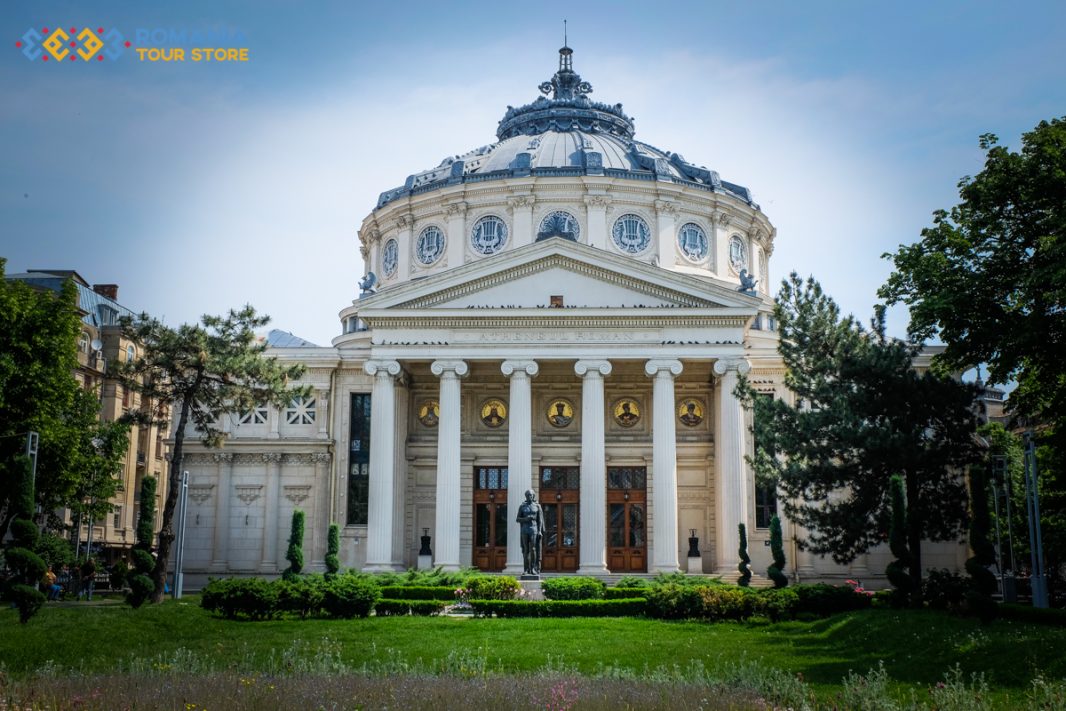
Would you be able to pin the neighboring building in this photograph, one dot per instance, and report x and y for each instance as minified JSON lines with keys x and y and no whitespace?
{"x":566,"y":310}
{"x":99,"y":344}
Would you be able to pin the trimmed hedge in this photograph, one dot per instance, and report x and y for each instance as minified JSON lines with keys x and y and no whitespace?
{"x":726,"y":602}
{"x":241,"y":598}
{"x":1036,"y":615}
{"x":342,"y":596}
{"x":347,"y":596}
{"x":573,"y":588}
{"x":418,"y":592}
{"x":389,"y":608}
{"x":491,"y":587}
{"x":559,"y":608}
{"x":624,"y":593}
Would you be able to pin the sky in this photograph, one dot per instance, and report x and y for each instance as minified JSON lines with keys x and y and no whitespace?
{"x":201,"y":186}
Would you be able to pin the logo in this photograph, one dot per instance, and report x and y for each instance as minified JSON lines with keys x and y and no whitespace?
{"x":58,"y":44}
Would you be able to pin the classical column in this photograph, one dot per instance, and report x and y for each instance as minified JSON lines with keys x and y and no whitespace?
{"x":456,"y":239}
{"x":664,"y":464}
{"x":373,"y":251}
{"x":220,"y":555}
{"x":666,"y":216}
{"x":522,"y":219}
{"x":596,"y":216}
{"x":731,"y":489}
{"x":269,"y":561}
{"x":519,"y":453}
{"x":446,"y":541}
{"x":382,"y":459}
{"x":404,"y":242}
{"x":593,"y":519}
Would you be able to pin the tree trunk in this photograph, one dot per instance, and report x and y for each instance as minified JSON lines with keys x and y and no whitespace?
{"x":914,"y":533}
{"x":166,"y":528}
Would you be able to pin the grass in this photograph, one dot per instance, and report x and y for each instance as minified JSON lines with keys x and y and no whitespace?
{"x":916,"y":648}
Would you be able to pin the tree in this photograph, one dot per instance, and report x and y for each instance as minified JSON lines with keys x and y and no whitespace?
{"x":989,"y":277}
{"x":295,"y":553}
{"x":862,"y":413}
{"x":144,"y":563}
{"x":333,"y":547}
{"x":897,"y":570}
{"x":776,"y":571}
{"x":982,"y":581}
{"x":745,"y":560}
{"x":202,"y":371}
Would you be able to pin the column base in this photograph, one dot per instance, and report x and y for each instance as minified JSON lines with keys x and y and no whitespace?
{"x":593,"y":570}
{"x":382,"y":568}
{"x":670,"y":568}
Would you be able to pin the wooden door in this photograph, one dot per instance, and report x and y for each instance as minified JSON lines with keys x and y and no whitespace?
{"x":560,"y":500}
{"x":490,"y":518}
{"x":627,"y":516}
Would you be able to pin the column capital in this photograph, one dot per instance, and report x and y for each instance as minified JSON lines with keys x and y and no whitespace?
{"x":384,"y":367}
{"x":724,"y":365}
{"x":667,"y":367}
{"x":458,"y":367}
{"x":588,"y":367}
{"x":512,"y":367}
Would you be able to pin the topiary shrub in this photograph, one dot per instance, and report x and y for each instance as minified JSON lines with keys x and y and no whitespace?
{"x":333,"y":547}
{"x":491,"y":587}
{"x":295,"y":553}
{"x":745,"y":562}
{"x":674,"y":602}
{"x":897,"y":540}
{"x":347,"y":596}
{"x":573,"y":588}
{"x":141,"y":584}
{"x":27,"y":599}
{"x":777,"y":551}
{"x":55,"y":550}
{"x":117,"y":576}
{"x":302,"y":596}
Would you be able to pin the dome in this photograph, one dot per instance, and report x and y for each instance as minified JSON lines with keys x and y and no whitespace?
{"x":565,"y":134}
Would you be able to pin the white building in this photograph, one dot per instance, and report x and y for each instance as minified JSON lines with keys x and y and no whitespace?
{"x":564,"y":310}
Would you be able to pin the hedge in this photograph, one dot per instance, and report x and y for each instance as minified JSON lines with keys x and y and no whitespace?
{"x":1036,"y":615}
{"x":491,"y":587}
{"x":573,"y":588}
{"x":727,"y":602}
{"x":418,"y":592}
{"x":237,"y":598}
{"x":559,"y":608}
{"x":624,"y":593}
{"x":388,"y":608}
{"x":341,"y":596}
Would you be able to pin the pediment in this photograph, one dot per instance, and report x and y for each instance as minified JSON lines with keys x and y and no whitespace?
{"x":583,"y":277}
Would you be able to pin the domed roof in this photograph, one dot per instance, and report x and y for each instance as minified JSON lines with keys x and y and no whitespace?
{"x":566,"y":134}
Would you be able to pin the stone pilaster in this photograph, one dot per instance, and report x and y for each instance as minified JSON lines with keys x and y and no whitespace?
{"x":271,"y":512}
{"x":664,"y":464}
{"x":405,"y":246}
{"x":446,"y":540}
{"x":732,"y":483}
{"x":519,"y":452}
{"x":456,"y":244}
{"x":666,"y":218}
{"x":220,"y":552}
{"x":522,"y":218}
{"x":592,"y":557}
{"x":382,"y":460}
{"x":596,"y":216}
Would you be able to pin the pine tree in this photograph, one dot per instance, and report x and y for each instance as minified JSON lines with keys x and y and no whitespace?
{"x":777,"y":551}
{"x":144,"y":563}
{"x":333,"y":547}
{"x":745,"y":562}
{"x":295,"y":554}
{"x":898,"y":570}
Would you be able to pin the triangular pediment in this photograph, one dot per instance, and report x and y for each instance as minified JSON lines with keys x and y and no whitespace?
{"x":580,"y":276}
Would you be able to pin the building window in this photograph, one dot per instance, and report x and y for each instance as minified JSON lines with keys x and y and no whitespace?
{"x":131,"y":354}
{"x":301,"y":411}
{"x":390,"y":258}
{"x":765,"y":504}
{"x":116,"y":521}
{"x":255,"y":416}
{"x":559,"y":224}
{"x":359,"y":460}
{"x":83,"y":342}
{"x":738,"y":253}
{"x":631,"y":234}
{"x":693,"y":242}
{"x":489,"y":235}
{"x":125,"y":396}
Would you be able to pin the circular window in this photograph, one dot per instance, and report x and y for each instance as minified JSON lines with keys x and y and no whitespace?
{"x":559,"y":224}
{"x":631,"y":234}
{"x":390,"y":257}
{"x":489,"y":235}
{"x":430,"y":245}
{"x":693,"y":242}
{"x":738,"y":253}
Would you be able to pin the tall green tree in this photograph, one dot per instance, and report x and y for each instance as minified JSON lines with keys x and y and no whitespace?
{"x":197,"y":373}
{"x":989,"y":277}
{"x":862,"y":413}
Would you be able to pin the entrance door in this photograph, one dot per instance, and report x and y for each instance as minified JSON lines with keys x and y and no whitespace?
{"x":559,"y":498}
{"x":627,"y":509}
{"x":490,"y":518}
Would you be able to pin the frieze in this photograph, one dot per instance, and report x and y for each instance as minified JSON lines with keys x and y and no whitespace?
{"x":320,"y":457}
{"x":297,"y":459}
{"x":591,"y":322}
{"x":205,"y":458}
{"x":248,"y":492}
{"x":200,"y":493}
{"x":271,"y":457}
{"x":297,"y":493}
{"x":222,"y":457}
{"x":520,"y":201}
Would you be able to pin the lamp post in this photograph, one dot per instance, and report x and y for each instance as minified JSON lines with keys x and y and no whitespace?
{"x":1037,"y":579}
{"x":97,"y":445}
{"x":179,"y":555}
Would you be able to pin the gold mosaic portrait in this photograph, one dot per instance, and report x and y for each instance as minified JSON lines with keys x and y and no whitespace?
{"x":690,"y":412}
{"x":560,"y":413}
{"x":494,"y":413}
{"x":627,"y":412}
{"x":429,"y":413}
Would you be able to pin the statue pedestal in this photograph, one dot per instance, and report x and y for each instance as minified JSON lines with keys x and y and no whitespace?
{"x":525,"y":576}
{"x":425,"y":562}
{"x":695,"y":565}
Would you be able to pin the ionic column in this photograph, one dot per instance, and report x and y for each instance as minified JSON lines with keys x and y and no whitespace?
{"x":664,"y":464}
{"x":404,"y":241}
{"x":456,"y":238}
{"x":732,"y":486}
{"x":382,"y":459}
{"x":446,"y":541}
{"x":666,"y":216}
{"x":596,"y":216}
{"x":220,"y":555}
{"x":519,"y":453}
{"x":593,"y":520}
{"x":269,"y":560}
{"x":522,"y":219}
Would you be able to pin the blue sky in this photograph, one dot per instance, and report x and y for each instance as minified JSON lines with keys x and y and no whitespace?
{"x":198,"y":187}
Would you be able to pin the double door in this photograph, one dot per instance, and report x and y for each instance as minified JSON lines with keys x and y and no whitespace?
{"x":627,"y":509}
{"x":560,"y":499}
{"x":490,"y":518}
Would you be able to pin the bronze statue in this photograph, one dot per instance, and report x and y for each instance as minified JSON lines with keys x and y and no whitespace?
{"x":532,"y":527}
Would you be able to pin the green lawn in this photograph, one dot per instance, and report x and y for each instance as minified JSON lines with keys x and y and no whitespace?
{"x":917,"y":647}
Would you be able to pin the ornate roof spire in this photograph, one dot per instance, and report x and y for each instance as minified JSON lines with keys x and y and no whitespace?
{"x":566,"y":84}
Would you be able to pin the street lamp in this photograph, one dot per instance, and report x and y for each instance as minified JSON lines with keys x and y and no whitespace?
{"x":97,"y":446}
{"x":1038,"y":579}
{"x":179,"y":556}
